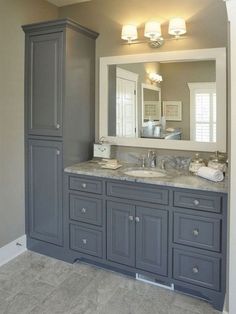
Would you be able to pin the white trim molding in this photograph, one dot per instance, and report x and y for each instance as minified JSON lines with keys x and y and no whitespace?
{"x":231,"y":11}
{"x":12,"y":250}
{"x":217,"y":54}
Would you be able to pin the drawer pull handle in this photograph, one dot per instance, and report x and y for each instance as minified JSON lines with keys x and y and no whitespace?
{"x":195,"y":270}
{"x":137,"y":219}
{"x":196,"y":202}
{"x":83,"y":210}
{"x":84,"y":241}
{"x":58,"y":126}
{"x":131,"y":218}
{"x":84,"y":185}
{"x":196,"y":232}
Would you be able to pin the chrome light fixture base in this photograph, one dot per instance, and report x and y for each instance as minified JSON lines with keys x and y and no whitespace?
{"x":157,"y":43}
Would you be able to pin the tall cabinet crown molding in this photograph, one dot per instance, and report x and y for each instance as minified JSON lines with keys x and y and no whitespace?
{"x":59,"y":118}
{"x":61,"y":23}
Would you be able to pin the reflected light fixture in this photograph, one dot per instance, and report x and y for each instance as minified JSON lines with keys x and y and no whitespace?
{"x":152,"y":31}
{"x":155,"y":78}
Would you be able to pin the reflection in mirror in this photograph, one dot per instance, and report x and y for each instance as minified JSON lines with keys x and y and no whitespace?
{"x":182,"y":106}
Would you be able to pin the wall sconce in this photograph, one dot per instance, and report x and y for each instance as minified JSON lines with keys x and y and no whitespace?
{"x":129,"y":33}
{"x":177,"y":27}
{"x":155,"y":78}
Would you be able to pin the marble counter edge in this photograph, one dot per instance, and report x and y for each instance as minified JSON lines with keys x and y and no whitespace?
{"x":196,"y":184}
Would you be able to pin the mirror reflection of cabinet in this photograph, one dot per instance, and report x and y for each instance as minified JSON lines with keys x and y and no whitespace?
{"x":151,"y":103}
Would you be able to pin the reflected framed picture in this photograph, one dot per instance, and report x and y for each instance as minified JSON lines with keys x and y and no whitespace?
{"x":172,"y":110}
{"x":152,"y":110}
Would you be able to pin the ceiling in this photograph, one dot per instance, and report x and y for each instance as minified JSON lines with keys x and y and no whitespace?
{"x":61,"y":3}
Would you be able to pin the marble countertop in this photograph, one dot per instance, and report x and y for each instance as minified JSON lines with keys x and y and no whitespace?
{"x":180,"y":179}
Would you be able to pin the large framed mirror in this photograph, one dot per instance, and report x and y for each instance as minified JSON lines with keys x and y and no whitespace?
{"x":169,"y":100}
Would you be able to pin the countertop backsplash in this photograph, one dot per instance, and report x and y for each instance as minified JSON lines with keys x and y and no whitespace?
{"x":174,"y":159}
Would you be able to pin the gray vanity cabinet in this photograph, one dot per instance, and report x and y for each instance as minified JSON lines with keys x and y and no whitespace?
{"x":45,"y":186}
{"x":44,"y":92}
{"x":151,"y":240}
{"x":137,"y":236}
{"x":121,"y":233}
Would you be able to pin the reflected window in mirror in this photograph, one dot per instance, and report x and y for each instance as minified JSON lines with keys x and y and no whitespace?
{"x":203,"y":111}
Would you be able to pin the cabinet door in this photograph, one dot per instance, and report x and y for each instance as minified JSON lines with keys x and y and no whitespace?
{"x":121,"y":233}
{"x":44,"y":84}
{"x":151,"y":240}
{"x":45,"y":191}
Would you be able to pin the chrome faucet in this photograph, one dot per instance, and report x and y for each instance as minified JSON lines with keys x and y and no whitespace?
{"x":152,"y":159}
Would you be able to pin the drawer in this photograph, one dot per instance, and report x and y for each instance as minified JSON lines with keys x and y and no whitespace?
{"x":197,"y":231}
{"x":153,"y":194}
{"x":85,"y":185}
{"x":196,"y":269}
{"x":87,"y":210}
{"x":206,"y":202}
{"x":86,"y":240}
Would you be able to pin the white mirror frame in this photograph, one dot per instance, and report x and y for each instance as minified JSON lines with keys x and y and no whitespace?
{"x":217,"y":54}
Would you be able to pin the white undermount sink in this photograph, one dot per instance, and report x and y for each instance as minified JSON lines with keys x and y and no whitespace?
{"x":145,"y":173}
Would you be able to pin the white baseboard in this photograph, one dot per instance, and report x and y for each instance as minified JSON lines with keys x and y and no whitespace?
{"x":12,"y":250}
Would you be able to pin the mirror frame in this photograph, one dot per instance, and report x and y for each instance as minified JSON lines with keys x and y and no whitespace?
{"x":216,"y":54}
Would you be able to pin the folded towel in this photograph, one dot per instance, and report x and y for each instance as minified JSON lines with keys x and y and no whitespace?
{"x":210,"y":174}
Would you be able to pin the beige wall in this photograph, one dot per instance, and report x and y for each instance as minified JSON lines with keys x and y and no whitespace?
{"x":206,"y":24}
{"x":14,"y":13}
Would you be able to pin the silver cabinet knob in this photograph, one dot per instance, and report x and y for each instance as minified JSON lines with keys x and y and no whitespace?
{"x":84,"y":241}
{"x":58,"y":126}
{"x":137,"y":219}
{"x":195,"y":232}
{"x":58,"y":152}
{"x":83,"y":210}
{"x":84,"y":185}
{"x":196,"y":202}
{"x":131,"y":218}
{"x":195,"y":270}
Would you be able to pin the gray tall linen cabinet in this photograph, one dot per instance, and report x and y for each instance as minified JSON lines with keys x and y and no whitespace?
{"x":59,"y":119}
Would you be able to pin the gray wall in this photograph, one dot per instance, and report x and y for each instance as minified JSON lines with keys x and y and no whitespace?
{"x":176,"y":77}
{"x":14,"y":13}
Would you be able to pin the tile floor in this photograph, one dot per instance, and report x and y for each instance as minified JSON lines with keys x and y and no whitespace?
{"x":37,"y":284}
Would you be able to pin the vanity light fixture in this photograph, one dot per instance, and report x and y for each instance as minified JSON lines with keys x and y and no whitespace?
{"x":152,"y":31}
{"x":155,"y":78}
{"x":129,"y":33}
{"x":177,"y":27}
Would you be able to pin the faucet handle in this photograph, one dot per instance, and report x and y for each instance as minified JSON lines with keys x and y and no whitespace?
{"x":163,"y":164}
{"x":142,"y":158}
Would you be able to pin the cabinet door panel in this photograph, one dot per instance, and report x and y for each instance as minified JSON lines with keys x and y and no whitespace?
{"x":151,"y":240}
{"x":121,"y":233}
{"x":45,"y":191}
{"x":45,"y":84}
